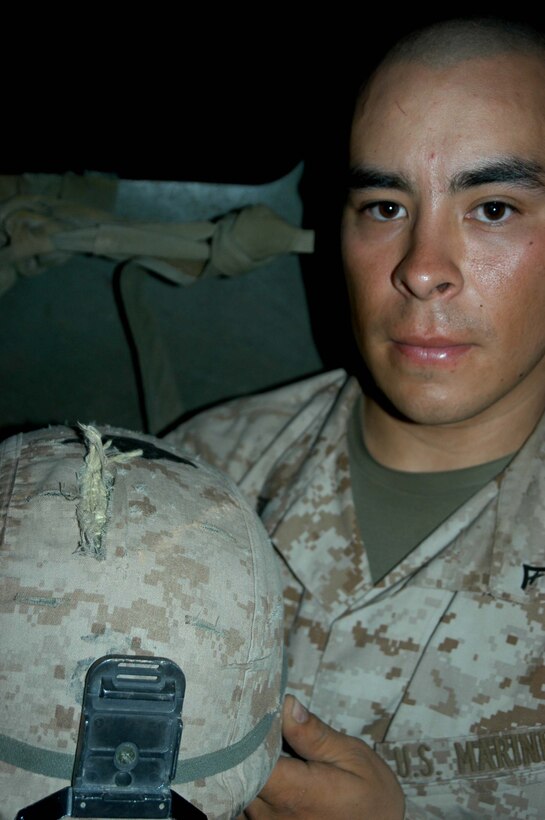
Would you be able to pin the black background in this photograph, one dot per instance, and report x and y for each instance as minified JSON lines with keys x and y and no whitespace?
{"x":196,"y":94}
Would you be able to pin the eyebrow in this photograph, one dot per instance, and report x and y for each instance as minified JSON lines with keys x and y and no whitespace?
{"x":365,"y":176}
{"x":513,"y":170}
{"x":509,"y":169}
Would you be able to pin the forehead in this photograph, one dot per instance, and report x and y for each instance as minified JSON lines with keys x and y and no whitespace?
{"x":469,"y":110}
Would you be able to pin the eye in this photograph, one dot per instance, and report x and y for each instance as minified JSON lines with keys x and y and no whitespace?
{"x":385,"y":211}
{"x":494,"y":211}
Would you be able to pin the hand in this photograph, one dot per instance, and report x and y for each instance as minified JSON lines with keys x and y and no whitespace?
{"x":340,"y":778}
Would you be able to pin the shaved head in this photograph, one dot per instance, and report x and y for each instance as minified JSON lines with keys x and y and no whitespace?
{"x":451,"y":41}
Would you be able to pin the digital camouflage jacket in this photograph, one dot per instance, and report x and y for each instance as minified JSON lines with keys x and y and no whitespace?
{"x":439,"y":666}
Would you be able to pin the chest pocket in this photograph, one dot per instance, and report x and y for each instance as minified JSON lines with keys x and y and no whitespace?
{"x":493,"y":775}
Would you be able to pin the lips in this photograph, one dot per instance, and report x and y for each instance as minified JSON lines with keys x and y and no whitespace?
{"x":435,"y":351}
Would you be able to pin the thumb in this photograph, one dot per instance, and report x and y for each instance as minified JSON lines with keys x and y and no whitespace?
{"x":313,"y":739}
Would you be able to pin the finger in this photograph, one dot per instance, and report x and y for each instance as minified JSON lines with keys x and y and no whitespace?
{"x":283,"y":790}
{"x":257,"y":810}
{"x":313,"y":739}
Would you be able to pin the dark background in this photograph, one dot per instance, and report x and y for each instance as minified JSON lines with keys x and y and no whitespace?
{"x":204,"y":95}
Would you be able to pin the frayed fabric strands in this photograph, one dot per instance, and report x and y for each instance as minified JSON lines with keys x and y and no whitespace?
{"x":96,"y":482}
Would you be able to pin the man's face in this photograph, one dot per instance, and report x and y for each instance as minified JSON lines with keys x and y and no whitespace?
{"x":444,"y":237}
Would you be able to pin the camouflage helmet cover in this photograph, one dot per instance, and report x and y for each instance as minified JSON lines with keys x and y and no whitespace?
{"x":133,"y":548}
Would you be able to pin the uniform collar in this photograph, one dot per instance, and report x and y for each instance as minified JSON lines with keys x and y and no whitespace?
{"x":486,"y":543}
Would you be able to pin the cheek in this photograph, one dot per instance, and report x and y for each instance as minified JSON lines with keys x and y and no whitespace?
{"x":494,"y":270}
{"x":365,"y":295}
{"x":506,"y":292}
{"x":510,"y":281}
{"x":367,"y":270}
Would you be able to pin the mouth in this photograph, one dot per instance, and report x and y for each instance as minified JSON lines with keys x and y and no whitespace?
{"x":431,"y":350}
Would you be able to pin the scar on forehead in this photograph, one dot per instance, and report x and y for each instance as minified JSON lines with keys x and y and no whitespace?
{"x":401,"y":109}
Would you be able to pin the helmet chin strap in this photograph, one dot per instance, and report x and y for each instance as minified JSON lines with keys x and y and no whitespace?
{"x":128,"y":743}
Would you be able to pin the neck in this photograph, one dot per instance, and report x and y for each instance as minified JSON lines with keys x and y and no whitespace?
{"x":404,"y":445}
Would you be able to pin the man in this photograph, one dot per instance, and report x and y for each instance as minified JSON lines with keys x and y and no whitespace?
{"x":410,"y":522}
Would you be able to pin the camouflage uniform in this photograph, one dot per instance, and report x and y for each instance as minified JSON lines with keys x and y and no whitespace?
{"x":185,"y":571}
{"x":439,"y":665}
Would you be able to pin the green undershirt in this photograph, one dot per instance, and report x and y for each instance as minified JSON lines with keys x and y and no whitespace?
{"x":412,"y":504}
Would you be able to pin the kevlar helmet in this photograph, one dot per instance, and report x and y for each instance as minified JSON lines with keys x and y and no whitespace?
{"x":115,"y":543}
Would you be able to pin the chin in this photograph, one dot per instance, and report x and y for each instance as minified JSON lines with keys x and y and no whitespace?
{"x":429,"y":410}
{"x":434,"y":416}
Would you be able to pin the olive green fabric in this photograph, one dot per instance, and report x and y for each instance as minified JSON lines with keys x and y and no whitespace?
{"x":45,"y":228}
{"x":414,"y":504}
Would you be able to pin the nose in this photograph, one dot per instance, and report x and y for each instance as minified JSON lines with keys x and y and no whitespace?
{"x":429,"y":269}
